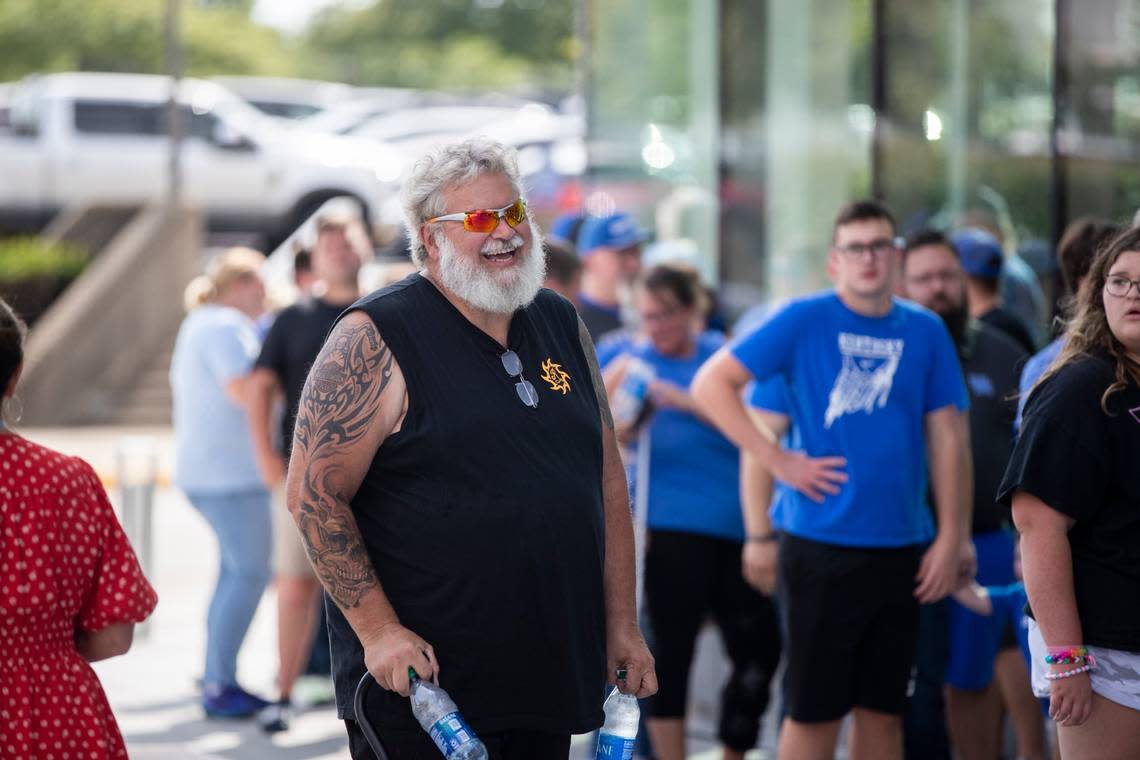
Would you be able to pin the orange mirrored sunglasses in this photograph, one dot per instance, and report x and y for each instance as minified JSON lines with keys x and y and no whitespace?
{"x":486,"y":219}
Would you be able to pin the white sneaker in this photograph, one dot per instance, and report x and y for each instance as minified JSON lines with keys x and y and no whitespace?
{"x":275,"y":718}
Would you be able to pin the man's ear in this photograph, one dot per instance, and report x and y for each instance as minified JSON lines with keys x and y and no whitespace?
{"x":427,"y":239}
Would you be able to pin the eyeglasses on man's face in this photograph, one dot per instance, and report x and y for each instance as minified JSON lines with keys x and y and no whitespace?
{"x":1119,"y":286}
{"x":513,"y":366}
{"x":486,"y":219}
{"x":878,"y":248}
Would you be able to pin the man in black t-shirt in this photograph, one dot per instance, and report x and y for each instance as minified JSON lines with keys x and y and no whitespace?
{"x":293,"y":342}
{"x":982,"y":666}
{"x":457,"y":482}
{"x":982,"y":260}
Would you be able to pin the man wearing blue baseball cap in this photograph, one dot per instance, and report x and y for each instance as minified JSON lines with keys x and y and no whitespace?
{"x":565,"y":228}
{"x":981,"y":257}
{"x":610,"y":248}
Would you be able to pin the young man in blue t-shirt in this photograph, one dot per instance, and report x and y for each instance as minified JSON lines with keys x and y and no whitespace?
{"x":875,"y":394}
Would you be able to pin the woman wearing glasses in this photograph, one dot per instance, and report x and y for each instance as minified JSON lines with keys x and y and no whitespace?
{"x":1074,"y":487}
{"x":696,"y":530}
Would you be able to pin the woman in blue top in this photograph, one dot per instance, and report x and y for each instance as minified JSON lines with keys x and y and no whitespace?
{"x":215,"y":465}
{"x":696,"y":530}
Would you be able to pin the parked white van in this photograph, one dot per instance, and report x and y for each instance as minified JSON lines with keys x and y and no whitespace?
{"x":93,"y":137}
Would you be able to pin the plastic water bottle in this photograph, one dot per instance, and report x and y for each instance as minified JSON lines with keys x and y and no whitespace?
{"x":439,"y":716}
{"x":630,"y":403}
{"x":619,"y":732}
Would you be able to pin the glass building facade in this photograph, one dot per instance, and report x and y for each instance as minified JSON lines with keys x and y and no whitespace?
{"x":742,"y":125}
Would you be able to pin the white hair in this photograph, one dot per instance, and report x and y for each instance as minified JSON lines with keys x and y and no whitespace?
{"x":445,"y":167}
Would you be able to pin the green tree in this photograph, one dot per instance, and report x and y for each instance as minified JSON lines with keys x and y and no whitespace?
{"x":445,"y":43}
{"x":126,"y":35}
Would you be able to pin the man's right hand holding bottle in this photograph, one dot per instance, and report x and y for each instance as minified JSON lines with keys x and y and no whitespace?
{"x":392,"y":650}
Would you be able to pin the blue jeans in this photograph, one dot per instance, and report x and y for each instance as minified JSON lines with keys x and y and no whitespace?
{"x":242,"y":524}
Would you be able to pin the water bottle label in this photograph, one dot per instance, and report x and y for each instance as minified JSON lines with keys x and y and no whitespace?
{"x":450,"y":733}
{"x":612,"y":747}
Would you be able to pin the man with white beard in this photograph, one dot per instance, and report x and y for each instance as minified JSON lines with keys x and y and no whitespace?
{"x":456,"y":480}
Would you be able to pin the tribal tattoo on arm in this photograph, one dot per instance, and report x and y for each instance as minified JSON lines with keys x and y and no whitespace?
{"x":595,"y":374}
{"x":334,"y":441}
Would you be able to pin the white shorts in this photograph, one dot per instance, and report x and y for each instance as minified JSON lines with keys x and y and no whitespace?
{"x":289,"y":555}
{"x":1116,"y":677}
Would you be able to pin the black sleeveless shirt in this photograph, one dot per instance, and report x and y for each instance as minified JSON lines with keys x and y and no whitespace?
{"x":484,"y":519}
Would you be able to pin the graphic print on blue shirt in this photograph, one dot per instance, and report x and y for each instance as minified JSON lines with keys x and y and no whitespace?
{"x":864,"y":382}
{"x":859,"y":387}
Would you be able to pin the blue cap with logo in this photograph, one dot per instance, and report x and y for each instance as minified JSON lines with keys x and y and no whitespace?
{"x":617,"y":230}
{"x":979,"y":251}
{"x":566,"y":226}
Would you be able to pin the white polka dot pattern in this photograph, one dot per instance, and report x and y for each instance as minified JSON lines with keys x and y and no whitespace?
{"x":65,"y":565}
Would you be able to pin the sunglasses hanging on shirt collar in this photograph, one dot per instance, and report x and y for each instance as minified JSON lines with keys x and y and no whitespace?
{"x":513,"y":366}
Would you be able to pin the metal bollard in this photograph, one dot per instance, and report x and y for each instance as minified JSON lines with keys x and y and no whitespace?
{"x":136,"y":465}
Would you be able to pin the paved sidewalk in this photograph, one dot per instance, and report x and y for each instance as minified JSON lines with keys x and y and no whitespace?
{"x":153,"y":688}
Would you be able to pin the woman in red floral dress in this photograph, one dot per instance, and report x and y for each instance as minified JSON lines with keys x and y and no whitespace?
{"x":71,"y":591}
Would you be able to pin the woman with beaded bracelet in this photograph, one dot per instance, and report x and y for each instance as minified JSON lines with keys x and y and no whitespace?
{"x":1075,"y":492}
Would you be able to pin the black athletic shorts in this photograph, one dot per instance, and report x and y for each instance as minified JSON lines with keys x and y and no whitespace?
{"x":851,"y":622}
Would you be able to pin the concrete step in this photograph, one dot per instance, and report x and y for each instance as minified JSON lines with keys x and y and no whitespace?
{"x":150,"y":393}
{"x":150,"y":402}
{"x":160,"y":367}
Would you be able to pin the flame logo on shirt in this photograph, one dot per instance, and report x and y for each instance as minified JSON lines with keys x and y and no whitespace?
{"x":1135,"y":413}
{"x":553,"y":374}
